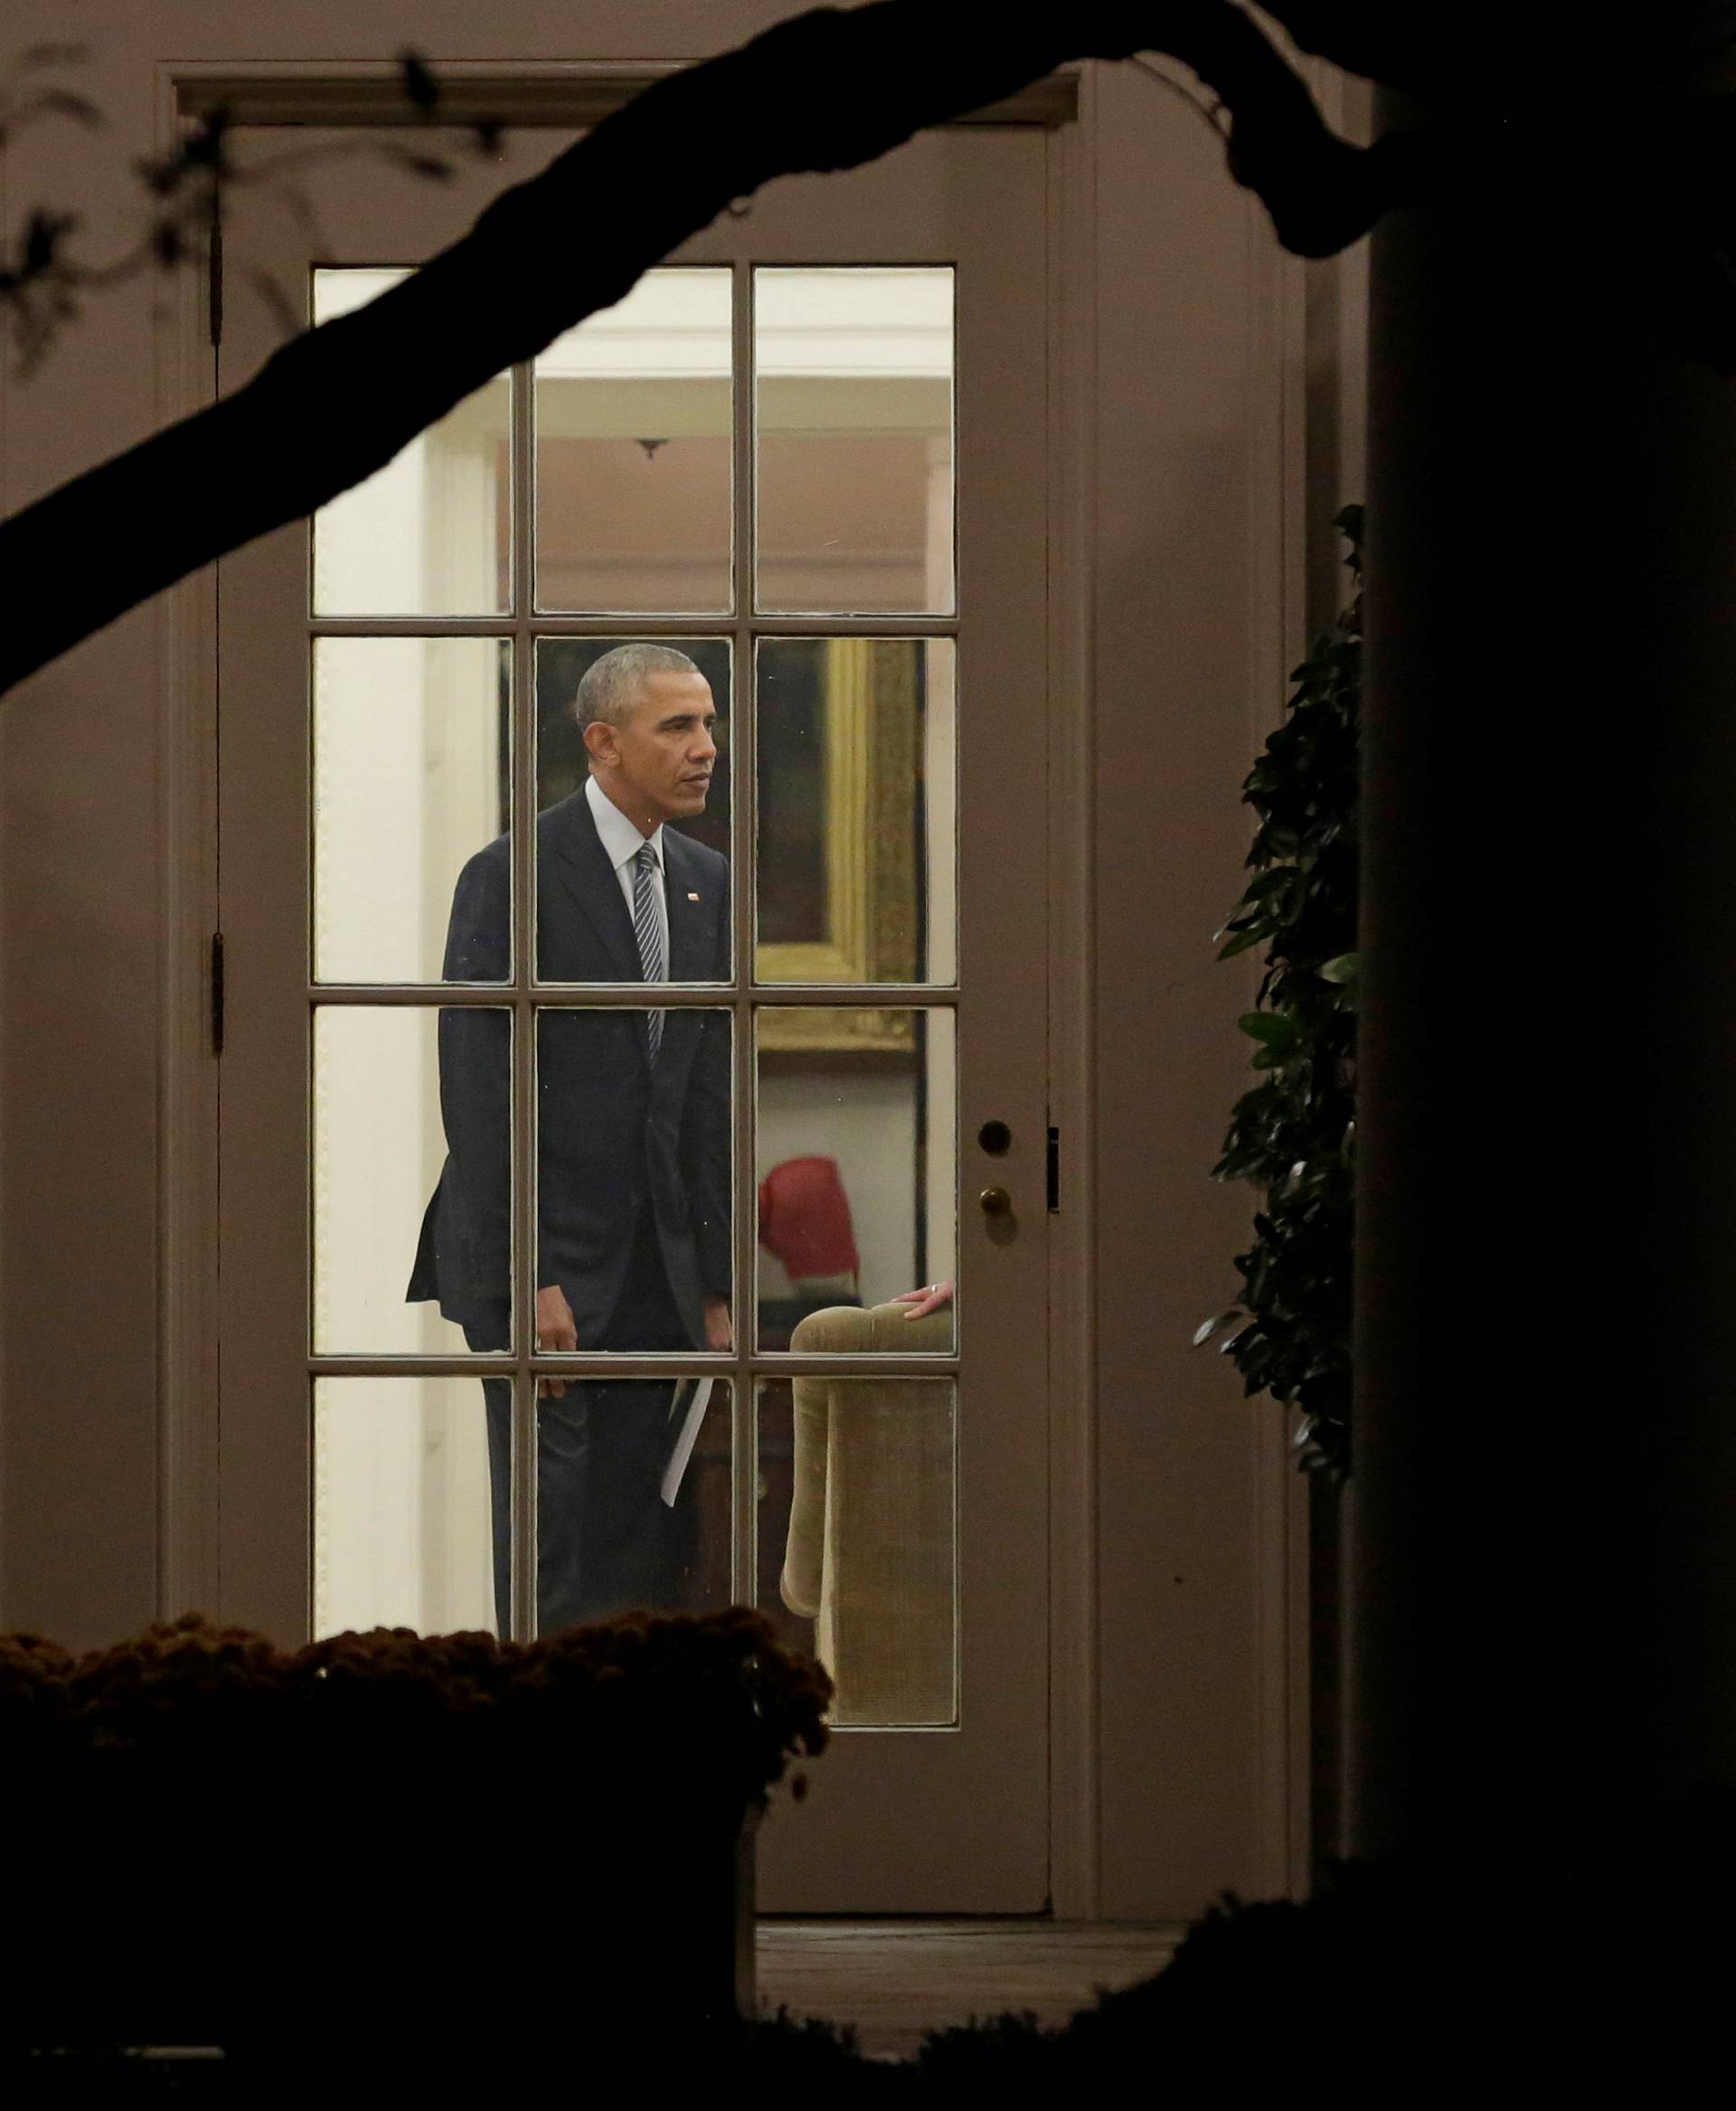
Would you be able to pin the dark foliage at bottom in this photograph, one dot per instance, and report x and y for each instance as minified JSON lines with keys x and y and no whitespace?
{"x":384,"y":1841}
{"x":1249,"y":1984}
{"x":326,"y":1866}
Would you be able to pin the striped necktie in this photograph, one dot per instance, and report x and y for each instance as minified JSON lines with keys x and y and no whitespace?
{"x":648,"y":931}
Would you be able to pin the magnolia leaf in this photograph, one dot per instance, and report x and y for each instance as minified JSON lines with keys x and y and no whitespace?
{"x":420,"y":84}
{"x":1342,"y":970}
{"x":434,"y":166}
{"x":62,"y":103}
{"x":1263,"y":1025}
{"x":205,"y":146}
{"x":43,"y":233}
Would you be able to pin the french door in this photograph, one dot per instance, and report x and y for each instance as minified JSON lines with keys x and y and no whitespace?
{"x":807,"y":454}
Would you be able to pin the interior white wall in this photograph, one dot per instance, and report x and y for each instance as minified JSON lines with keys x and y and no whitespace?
{"x":868,"y":1123}
{"x":400,"y":1506}
{"x":1179,"y":439}
{"x":406,"y":788}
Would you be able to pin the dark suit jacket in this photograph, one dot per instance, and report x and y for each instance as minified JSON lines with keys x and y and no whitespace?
{"x":612,"y":1134}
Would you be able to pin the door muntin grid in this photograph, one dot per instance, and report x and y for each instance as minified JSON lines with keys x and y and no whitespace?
{"x":857,"y":998}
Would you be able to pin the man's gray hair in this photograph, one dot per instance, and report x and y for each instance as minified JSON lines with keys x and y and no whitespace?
{"x":610,"y":686}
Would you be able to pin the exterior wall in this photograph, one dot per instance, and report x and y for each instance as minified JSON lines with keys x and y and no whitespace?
{"x":1182,"y":351}
{"x":1187,"y":632}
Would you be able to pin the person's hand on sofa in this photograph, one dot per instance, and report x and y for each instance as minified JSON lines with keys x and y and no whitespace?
{"x":918,"y":1303}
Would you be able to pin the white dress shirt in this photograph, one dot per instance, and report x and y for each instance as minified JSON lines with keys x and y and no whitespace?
{"x":620,"y":839}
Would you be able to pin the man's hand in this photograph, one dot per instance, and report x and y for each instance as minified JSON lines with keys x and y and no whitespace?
{"x":554,"y":1330}
{"x":720,"y":1335}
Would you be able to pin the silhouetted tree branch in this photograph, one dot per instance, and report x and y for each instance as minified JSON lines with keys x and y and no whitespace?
{"x":334,"y":404}
{"x":44,"y":277}
{"x":1377,"y":39}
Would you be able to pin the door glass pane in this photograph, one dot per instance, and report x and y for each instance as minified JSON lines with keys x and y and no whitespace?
{"x":412,"y":1227}
{"x":854,"y":441}
{"x":662,"y":757}
{"x":856,"y":877}
{"x":411,"y":779}
{"x":412,"y":1517}
{"x":633,"y":1179}
{"x":857,"y":1165}
{"x":633,"y":453}
{"x":432,"y":533}
{"x":858,"y":1508}
{"x":400,"y":1506}
{"x":633,"y":1499}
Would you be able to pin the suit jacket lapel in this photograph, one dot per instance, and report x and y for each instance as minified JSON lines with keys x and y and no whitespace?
{"x":591,"y":880}
{"x":690,"y":922}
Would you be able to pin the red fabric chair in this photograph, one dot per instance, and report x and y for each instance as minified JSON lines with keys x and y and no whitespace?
{"x":804,"y":1223}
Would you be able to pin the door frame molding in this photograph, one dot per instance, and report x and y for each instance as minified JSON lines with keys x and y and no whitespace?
{"x":189,"y":1074}
{"x":1075,"y":1847}
{"x":519,"y":94}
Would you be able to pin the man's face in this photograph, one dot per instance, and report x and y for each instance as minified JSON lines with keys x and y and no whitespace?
{"x":660,"y":759}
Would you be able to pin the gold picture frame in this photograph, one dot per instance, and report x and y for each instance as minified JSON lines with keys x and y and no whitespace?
{"x":869,"y":930}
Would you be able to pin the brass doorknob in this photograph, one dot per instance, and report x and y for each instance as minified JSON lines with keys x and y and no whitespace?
{"x":995,"y":1202}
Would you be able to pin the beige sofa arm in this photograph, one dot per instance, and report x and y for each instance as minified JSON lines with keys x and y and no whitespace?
{"x":805,"y":1584}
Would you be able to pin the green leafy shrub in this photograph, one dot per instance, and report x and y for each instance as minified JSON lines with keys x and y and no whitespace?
{"x":1292,"y":1135}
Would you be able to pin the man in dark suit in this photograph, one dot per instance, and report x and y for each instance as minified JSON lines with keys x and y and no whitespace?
{"x":633,"y":1129}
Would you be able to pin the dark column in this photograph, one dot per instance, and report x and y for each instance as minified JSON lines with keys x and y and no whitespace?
{"x":1543,"y":1575}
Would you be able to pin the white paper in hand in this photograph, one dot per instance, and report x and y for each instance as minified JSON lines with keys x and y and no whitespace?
{"x":683,"y":1451}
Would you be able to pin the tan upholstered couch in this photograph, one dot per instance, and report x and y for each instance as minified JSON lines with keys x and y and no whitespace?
{"x":870,"y":1555}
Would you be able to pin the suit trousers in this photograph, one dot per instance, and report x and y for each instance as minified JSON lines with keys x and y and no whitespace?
{"x":606,"y":1540}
